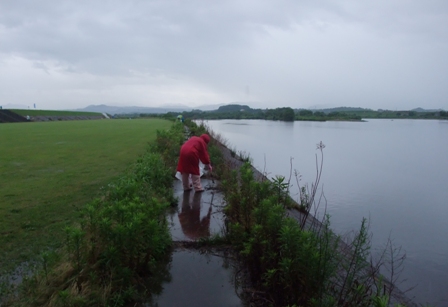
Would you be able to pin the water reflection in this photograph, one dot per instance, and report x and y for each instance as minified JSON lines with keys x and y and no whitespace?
{"x":198,"y":279}
{"x":190,"y":220}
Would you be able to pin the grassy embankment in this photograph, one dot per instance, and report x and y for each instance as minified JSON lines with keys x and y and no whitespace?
{"x":49,"y":170}
{"x":32,"y":112}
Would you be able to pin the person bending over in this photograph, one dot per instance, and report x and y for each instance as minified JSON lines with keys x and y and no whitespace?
{"x":191,"y":152}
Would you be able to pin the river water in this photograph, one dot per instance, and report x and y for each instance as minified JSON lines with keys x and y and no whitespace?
{"x":393,"y":172}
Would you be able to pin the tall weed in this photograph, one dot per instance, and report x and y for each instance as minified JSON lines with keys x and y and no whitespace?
{"x":297,"y":265}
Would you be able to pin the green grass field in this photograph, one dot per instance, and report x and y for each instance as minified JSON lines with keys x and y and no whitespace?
{"x":49,"y":169}
{"x":32,"y":112}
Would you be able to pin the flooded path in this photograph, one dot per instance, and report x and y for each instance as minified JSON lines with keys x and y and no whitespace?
{"x":199,"y":277}
{"x":197,"y":215}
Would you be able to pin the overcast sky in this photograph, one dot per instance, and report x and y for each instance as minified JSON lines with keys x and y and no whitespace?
{"x":389,"y":54}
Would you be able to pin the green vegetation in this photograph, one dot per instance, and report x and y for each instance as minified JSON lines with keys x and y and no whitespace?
{"x":309,"y":115}
{"x":115,"y":253}
{"x":236,"y":111}
{"x":121,"y":239}
{"x":243,"y":112}
{"x":392,"y":114}
{"x":112,"y":250}
{"x":299,"y":262}
{"x":50,"y":170}
{"x":345,"y":113}
{"x":32,"y":112}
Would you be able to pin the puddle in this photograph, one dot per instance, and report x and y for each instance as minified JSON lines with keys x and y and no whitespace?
{"x":197,"y":215}
{"x":9,"y":282}
{"x":15,"y":278}
{"x":198,"y":279}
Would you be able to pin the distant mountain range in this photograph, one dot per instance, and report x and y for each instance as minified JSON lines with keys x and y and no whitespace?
{"x":102,"y":108}
{"x":426,"y":110}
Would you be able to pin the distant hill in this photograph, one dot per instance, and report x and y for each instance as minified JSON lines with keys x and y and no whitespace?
{"x":130,"y":110}
{"x":425,"y":110}
{"x":221,"y":108}
{"x":233,"y":108}
{"x":209,"y":107}
{"x":102,"y":108}
{"x":15,"y":106}
{"x":341,"y":109}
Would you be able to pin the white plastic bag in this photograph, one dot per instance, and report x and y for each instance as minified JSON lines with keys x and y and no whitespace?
{"x":201,"y":171}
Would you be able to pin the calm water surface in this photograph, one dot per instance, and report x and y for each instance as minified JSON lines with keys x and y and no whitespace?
{"x":198,"y":280}
{"x":394,"y":172}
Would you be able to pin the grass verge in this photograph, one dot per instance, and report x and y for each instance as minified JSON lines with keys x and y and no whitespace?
{"x":53,"y":113}
{"x":51,"y":169}
{"x":110,"y":254}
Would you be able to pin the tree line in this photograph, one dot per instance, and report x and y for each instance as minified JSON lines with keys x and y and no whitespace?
{"x":236,"y":111}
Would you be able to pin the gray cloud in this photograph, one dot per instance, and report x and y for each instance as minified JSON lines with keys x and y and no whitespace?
{"x":376,"y":54}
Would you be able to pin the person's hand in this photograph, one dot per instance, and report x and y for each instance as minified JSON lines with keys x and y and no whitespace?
{"x":210,"y":168}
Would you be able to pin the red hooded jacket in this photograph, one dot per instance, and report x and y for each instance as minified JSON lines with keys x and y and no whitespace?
{"x":191,"y":152}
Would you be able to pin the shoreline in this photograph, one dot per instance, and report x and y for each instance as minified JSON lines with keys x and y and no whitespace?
{"x":397,"y":295}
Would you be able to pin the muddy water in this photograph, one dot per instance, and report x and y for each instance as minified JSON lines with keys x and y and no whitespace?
{"x":198,"y":280}
{"x":198,"y":215}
